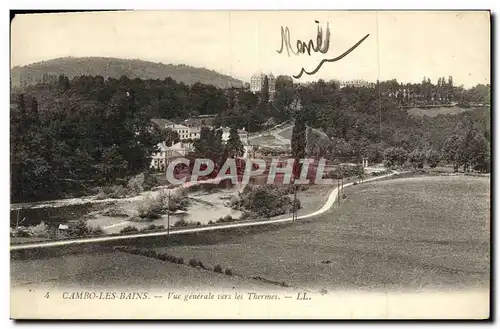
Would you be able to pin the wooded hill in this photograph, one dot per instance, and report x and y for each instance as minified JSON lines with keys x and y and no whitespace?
{"x":115,"y":68}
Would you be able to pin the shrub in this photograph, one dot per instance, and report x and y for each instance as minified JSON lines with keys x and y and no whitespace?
{"x":150,"y":181}
{"x":235,"y":201}
{"x":129,"y":229}
{"x":226,"y":219}
{"x":40,"y":231}
{"x":178,"y":200}
{"x":417,"y":158}
{"x":246,"y":216}
{"x":114,"y":212}
{"x":180,"y":261}
{"x":150,"y":253}
{"x":117,"y":192}
{"x":135,"y":251}
{"x":210,"y":222}
{"x":181,"y":223}
{"x":101,"y":195}
{"x":150,"y":207}
{"x":97,"y":230}
{"x":78,"y":229}
{"x":268,"y":200}
{"x":200,"y":264}
{"x":162,"y":257}
{"x":432,"y":158}
{"x":395,"y":156}
{"x":218,"y":268}
{"x":153,"y":227}
{"x":193,"y":262}
{"x":136,"y":184}
{"x":198,"y":223}
{"x":228,"y":271}
{"x":20,"y":232}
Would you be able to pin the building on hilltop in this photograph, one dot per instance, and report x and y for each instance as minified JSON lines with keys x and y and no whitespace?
{"x":356,"y":84}
{"x":257,"y":83}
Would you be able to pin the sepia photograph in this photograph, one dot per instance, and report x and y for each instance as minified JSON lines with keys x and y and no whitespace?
{"x":250,"y":165}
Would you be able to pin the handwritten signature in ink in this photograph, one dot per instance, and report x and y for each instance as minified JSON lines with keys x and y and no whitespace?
{"x":321,"y":46}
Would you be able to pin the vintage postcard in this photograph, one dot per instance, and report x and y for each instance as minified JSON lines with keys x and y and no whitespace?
{"x":250,"y":165}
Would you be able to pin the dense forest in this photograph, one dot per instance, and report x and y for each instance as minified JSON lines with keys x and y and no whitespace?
{"x":67,"y":134}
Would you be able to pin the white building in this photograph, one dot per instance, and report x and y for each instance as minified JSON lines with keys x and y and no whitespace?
{"x":181,"y":130}
{"x":185,"y":132}
{"x":160,"y":160}
{"x":257,"y":83}
{"x":243,"y":135}
{"x":356,"y":83}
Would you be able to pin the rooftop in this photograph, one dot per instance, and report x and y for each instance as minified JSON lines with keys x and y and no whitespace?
{"x":228,"y":129}
{"x":162,"y":123}
{"x":261,"y":75}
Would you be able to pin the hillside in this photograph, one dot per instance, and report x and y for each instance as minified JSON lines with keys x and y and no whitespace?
{"x":115,"y":68}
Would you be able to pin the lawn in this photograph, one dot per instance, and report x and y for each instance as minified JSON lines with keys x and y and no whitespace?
{"x":411,"y":233}
{"x":266,"y":140}
{"x":286,"y":133}
{"x":435,"y":111}
{"x":119,"y":270}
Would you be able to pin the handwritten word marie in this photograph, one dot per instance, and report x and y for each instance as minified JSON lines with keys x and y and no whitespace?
{"x":322,"y":46}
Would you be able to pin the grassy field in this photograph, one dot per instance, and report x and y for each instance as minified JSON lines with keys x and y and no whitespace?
{"x":267,"y":140}
{"x":411,"y":233}
{"x":414,"y":232}
{"x":435,"y":111}
{"x":119,"y":270}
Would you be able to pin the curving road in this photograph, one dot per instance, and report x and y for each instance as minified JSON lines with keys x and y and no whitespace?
{"x":328,"y":204}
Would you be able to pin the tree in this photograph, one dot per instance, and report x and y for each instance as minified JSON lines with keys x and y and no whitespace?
{"x":112,"y":164}
{"x":480,"y":153}
{"x":432,"y":158}
{"x":169,"y":136}
{"x":395,"y":156}
{"x":375,"y":153}
{"x":417,"y":159}
{"x":264,"y":93}
{"x":217,"y":151}
{"x":283,"y":97}
{"x":234,"y":146}
{"x":204,"y":145}
{"x":311,"y":142}
{"x":453,"y":150}
{"x":298,"y":141}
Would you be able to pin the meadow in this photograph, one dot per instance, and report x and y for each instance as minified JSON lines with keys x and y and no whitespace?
{"x":409,"y":233}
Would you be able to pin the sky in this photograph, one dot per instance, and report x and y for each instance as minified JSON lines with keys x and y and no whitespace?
{"x":401,"y":45}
